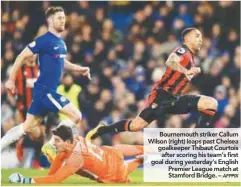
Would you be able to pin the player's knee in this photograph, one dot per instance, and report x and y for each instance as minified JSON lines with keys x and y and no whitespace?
{"x":77,"y":119}
{"x":75,"y":116}
{"x":28,"y":127}
{"x":214,"y":104}
{"x":138,"y":124}
{"x":35,"y":133}
{"x":31,"y":123}
{"x":209,"y":103}
{"x":134,"y":126}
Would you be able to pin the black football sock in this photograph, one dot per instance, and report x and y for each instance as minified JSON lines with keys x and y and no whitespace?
{"x":117,"y":127}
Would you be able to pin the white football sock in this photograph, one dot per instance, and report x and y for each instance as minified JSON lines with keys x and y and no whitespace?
{"x":12,"y":135}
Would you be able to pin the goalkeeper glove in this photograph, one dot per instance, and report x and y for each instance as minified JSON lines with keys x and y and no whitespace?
{"x":17,"y":178}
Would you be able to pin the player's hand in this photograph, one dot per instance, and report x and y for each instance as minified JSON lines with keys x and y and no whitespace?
{"x":85,"y":71}
{"x":17,"y":178}
{"x":193,"y":72}
{"x":196,"y":70}
{"x":10,"y":85}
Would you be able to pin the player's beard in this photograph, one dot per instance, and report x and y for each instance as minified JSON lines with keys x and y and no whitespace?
{"x":196,"y":47}
{"x":199,"y":47}
{"x":60,"y":28}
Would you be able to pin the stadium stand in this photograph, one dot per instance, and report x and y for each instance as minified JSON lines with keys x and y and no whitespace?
{"x":125,"y":45}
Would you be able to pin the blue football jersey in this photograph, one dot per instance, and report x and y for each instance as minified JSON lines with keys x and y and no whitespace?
{"x":51,"y":51}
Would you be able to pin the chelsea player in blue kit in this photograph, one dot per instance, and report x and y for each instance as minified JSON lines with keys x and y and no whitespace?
{"x":52,"y":52}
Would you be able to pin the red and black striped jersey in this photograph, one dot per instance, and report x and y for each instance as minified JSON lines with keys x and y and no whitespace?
{"x":26,"y":77}
{"x":173,"y":81}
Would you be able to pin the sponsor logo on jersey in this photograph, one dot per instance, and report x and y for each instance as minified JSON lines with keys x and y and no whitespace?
{"x":59,"y":55}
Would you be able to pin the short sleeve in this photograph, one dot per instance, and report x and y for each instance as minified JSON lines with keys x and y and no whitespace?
{"x":37,"y":45}
{"x":180,"y":51}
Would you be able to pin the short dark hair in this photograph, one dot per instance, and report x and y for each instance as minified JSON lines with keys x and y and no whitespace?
{"x":186,"y":31}
{"x":52,"y":10}
{"x":64,"y":132}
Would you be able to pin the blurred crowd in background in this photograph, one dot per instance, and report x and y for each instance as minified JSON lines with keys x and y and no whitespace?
{"x":125,"y":44}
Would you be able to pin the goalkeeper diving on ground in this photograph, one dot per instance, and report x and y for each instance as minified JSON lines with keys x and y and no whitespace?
{"x":76,"y":155}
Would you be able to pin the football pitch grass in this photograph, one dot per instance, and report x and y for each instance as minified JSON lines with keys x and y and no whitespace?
{"x":75,"y":180}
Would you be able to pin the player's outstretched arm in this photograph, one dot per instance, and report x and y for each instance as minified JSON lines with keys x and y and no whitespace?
{"x":62,"y":174}
{"x":130,"y":150}
{"x":10,"y":84}
{"x":85,"y":71}
{"x":72,"y":165}
{"x":56,"y":164}
{"x":174,"y":63}
{"x":57,"y":173}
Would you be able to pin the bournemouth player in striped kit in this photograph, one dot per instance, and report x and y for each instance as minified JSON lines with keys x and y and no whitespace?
{"x":25,"y":79}
{"x":167,"y":94}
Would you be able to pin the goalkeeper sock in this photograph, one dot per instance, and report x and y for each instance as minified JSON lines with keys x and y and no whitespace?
{"x":205,"y":119}
{"x":12,"y":135}
{"x":27,"y":180}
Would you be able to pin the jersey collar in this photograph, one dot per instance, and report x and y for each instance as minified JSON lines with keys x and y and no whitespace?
{"x":54,"y":35}
{"x":184,"y":46}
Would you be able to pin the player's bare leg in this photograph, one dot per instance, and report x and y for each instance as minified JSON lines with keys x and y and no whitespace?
{"x":31,"y":123}
{"x":18,"y":131}
{"x":73,"y":114}
{"x":130,"y":150}
{"x":137,"y":124}
{"x":37,"y":135}
{"x":208,"y":107}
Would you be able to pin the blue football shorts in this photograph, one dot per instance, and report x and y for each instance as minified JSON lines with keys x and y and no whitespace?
{"x":45,"y":100}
